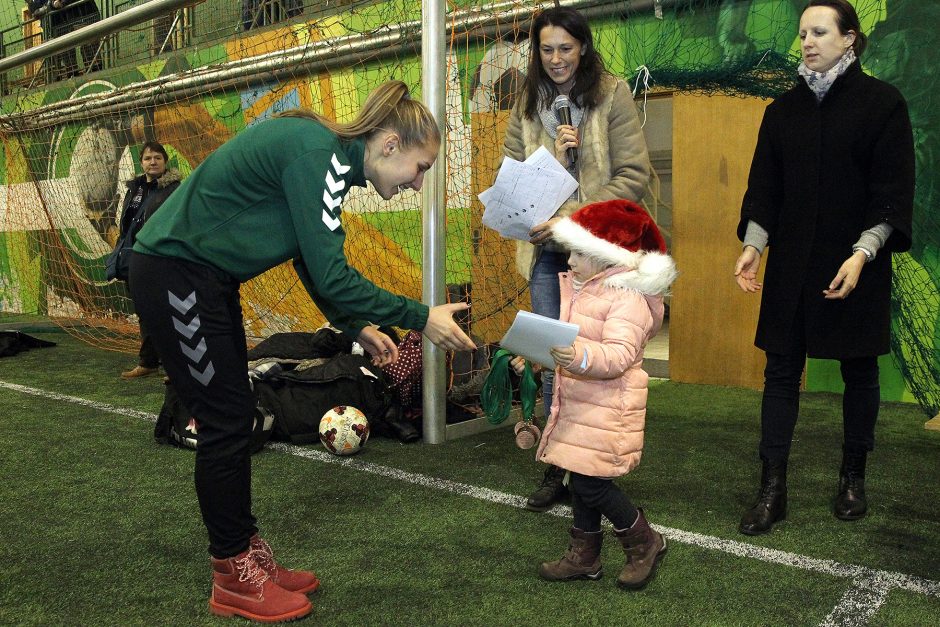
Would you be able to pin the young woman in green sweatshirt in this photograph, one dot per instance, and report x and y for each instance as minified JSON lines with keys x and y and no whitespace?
{"x":272,"y":193}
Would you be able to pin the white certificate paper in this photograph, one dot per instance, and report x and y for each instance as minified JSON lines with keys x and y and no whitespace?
{"x":526,"y":194}
{"x":532,"y":335}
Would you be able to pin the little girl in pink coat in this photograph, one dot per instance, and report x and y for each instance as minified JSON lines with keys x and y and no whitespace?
{"x":619,"y":273}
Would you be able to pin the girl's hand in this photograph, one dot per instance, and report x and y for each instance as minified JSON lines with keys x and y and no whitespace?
{"x":518,"y":365}
{"x":847,"y":277}
{"x":745,"y":270}
{"x":567,"y":137}
{"x":541,"y":233}
{"x":379,"y":345}
{"x":563,"y":355}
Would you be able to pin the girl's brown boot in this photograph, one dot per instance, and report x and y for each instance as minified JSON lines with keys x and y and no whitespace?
{"x":582,"y":560}
{"x":644,"y":548}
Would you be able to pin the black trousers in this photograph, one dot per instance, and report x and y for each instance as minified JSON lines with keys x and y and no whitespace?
{"x":194,"y":316}
{"x":593,"y":497}
{"x":147,"y":356}
{"x":780,"y":405}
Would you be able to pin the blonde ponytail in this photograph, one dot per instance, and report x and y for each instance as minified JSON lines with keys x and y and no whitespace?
{"x":388,"y":107}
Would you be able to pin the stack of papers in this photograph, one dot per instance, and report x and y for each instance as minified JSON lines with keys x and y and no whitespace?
{"x":532,"y":336}
{"x":526,"y":194}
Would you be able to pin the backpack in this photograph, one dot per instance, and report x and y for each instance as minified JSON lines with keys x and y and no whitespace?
{"x":176,"y":426}
{"x":299,"y":398}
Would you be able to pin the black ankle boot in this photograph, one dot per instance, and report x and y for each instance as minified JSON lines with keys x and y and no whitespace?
{"x":771,"y":505}
{"x":850,"y":502}
{"x":549,"y":492}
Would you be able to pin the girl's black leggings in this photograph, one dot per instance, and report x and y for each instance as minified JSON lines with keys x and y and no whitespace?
{"x":593,"y":497}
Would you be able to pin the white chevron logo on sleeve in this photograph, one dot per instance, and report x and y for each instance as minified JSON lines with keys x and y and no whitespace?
{"x":205,"y":376}
{"x":180,"y":305}
{"x":332,"y":203}
{"x":194,"y":354}
{"x":333,"y":187}
{"x":332,"y":184}
{"x":340,"y":169}
{"x":186,"y":330}
{"x":330,"y":222}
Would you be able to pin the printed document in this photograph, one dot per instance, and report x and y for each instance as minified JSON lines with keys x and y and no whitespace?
{"x":532,"y":335}
{"x":526,"y":194}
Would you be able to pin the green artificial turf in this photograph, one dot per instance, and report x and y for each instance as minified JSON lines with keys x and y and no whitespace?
{"x":101,"y":525}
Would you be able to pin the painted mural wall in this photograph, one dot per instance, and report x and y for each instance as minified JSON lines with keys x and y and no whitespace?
{"x":62,"y":183}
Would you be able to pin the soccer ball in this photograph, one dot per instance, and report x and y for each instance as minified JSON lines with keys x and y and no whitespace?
{"x":344,"y":430}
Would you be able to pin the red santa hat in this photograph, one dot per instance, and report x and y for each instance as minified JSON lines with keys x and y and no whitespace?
{"x":620,"y":233}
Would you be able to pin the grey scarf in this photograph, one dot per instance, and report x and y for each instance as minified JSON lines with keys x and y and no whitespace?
{"x":820,"y":82}
{"x":550,"y":121}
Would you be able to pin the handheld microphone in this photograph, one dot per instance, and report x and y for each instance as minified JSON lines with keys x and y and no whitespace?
{"x":562,"y":107}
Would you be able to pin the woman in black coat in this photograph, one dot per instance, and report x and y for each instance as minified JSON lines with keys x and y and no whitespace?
{"x":144,"y":196}
{"x":831,"y":192}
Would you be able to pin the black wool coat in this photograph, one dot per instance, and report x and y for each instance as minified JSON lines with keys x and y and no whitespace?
{"x":822,"y":173}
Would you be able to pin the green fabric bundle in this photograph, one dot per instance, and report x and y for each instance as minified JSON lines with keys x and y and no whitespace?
{"x":496,"y":395}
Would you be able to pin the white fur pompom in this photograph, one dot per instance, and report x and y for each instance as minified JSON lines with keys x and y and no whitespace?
{"x":656,"y":273}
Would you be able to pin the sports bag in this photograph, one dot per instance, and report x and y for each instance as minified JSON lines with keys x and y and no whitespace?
{"x":176,"y":426}
{"x":299,"y":398}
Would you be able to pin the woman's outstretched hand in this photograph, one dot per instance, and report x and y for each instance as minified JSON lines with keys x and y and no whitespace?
{"x":444,"y":332}
{"x":847,"y":277}
{"x":745,"y":270}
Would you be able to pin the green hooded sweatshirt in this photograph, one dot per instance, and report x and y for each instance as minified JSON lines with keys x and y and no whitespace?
{"x":273,"y":193}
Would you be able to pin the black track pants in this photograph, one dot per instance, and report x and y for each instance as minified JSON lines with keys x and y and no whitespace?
{"x":192,"y":313}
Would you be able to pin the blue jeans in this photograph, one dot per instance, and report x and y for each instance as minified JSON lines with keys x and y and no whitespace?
{"x":545,"y":295}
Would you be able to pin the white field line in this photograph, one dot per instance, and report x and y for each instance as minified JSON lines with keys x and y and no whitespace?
{"x":869,"y":588}
{"x":113,"y":409}
{"x":859,"y":604}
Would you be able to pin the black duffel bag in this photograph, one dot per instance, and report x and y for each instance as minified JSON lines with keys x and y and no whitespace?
{"x":299,"y":398}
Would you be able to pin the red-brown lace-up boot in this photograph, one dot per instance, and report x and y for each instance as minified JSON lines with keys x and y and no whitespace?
{"x":302,"y":581}
{"x":240,"y":587}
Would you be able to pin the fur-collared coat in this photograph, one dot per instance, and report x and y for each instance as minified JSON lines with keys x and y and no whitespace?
{"x":613,"y":159}
{"x":822,"y":173}
{"x":165,"y":186}
{"x":598,"y":412}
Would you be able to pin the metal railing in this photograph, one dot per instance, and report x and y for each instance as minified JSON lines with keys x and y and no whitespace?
{"x":47,"y":48}
{"x":166,"y":29}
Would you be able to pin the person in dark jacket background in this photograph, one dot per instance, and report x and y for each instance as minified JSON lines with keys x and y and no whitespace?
{"x":144,"y":196}
{"x":831,"y":192}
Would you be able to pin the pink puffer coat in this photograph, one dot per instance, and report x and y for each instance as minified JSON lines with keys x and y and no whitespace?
{"x":599,"y":410}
